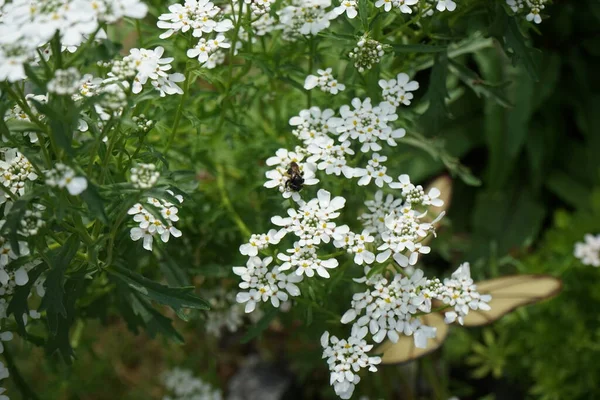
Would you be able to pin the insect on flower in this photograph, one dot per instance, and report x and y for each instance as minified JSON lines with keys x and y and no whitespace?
{"x":296,"y":180}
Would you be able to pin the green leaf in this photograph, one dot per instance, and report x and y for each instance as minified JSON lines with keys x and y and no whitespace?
{"x":59,"y":340}
{"x":13,"y":223}
{"x":177,"y":298}
{"x":363,"y":13}
{"x":417,"y":48}
{"x":53,"y":299}
{"x":479,"y":86}
{"x":15,"y":125}
{"x":436,"y":95}
{"x":507,"y":31}
{"x":260,"y":326}
{"x":18,"y":305}
{"x":154,"y":321}
{"x":94,"y":202}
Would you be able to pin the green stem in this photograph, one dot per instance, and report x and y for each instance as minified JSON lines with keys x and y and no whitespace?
{"x":26,"y":392}
{"x":178,"y":114}
{"x":227,"y":202}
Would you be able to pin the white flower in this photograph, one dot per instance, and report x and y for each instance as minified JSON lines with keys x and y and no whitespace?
{"x":331,"y":157}
{"x":144,"y":176}
{"x":313,"y":124}
{"x":368,"y":125}
{"x":460,"y":292}
{"x":304,"y":260}
{"x":402,"y":5}
{"x":205,"y":48}
{"x":260,"y":242}
{"x":443,"y":5}
{"x":346,"y":358}
{"x":261,"y":285}
{"x":375,"y":170}
{"x":65,"y":82}
{"x":374,"y":221}
{"x":398,"y":91}
{"x":280,"y":175}
{"x":305,"y":17}
{"x":150,"y":225}
{"x":325,"y":81}
{"x":185,"y":386}
{"x":226,"y":313}
{"x":64,"y":176}
{"x":354,"y":244}
{"x":588,"y":251}
{"x":201,"y":16}
{"x":15,"y":170}
{"x":348,"y":7}
{"x":311,"y":223}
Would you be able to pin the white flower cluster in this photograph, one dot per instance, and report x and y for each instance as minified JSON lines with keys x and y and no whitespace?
{"x":324,"y":81}
{"x":185,"y":386}
{"x":142,"y":123}
{"x":15,"y":171}
{"x":18,"y":114}
{"x":305,"y":17}
{"x":150,"y":224}
{"x":260,"y":242}
{"x":460,"y":292}
{"x":531,"y":8}
{"x":588,"y":251}
{"x":144,"y":176}
{"x":398,"y":91}
{"x":348,"y":7}
{"x":142,"y":65}
{"x":202,"y":17}
{"x":366,"y":54}
{"x":65,"y":82}
{"x":260,"y":7}
{"x":63,"y":176}
{"x":279,"y":177}
{"x":226,"y":313}
{"x":403,"y":5}
{"x":346,"y":358}
{"x":390,"y":307}
{"x":260,"y":284}
{"x":27,"y":25}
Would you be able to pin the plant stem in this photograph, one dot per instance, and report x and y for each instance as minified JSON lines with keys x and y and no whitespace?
{"x":188,"y":75}
{"x":17,"y":378}
{"x":227,"y":202}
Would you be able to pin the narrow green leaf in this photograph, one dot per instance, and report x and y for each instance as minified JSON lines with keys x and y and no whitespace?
{"x":436,"y":95}
{"x":95,"y":202}
{"x":417,"y":48}
{"x":363,"y":13}
{"x":18,"y":305}
{"x":175,"y":297}
{"x":154,"y":321}
{"x":479,"y":86}
{"x":53,"y":299}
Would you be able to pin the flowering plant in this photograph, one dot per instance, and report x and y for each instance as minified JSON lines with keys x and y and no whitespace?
{"x":118,"y":165}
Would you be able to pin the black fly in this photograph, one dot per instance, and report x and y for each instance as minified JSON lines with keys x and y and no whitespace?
{"x":295,"y":180}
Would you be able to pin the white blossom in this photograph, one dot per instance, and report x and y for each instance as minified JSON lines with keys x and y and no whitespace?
{"x":63,"y":176}
{"x":348,"y":7}
{"x":150,"y":225}
{"x":185,"y":386}
{"x":375,"y":170}
{"x":259,"y":284}
{"x":65,"y":82}
{"x":260,"y":242}
{"x":313,"y":124}
{"x":403,"y":5}
{"x":305,"y":17}
{"x":324,"y":81}
{"x":144,"y":176}
{"x":279,"y":176}
{"x":460,"y":292}
{"x":588,"y":251}
{"x":398,"y":91}
{"x":346,"y":357}
{"x":15,"y":171}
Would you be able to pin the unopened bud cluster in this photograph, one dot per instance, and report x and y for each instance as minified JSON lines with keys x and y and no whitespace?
{"x":366,"y":54}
